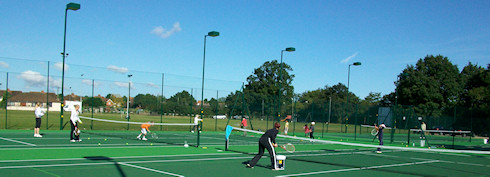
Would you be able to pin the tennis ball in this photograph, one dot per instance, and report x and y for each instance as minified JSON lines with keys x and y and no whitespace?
{"x":88,"y":138}
{"x":127,"y":143}
{"x":204,"y":147}
{"x":98,"y":144}
{"x":151,"y":144}
{"x":105,"y":139}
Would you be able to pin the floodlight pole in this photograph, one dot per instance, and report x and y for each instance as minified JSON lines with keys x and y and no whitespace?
{"x":289,"y":49}
{"x":347,"y":102}
{"x":396,"y":105}
{"x":212,"y":34}
{"x":69,"y":6}
{"x":129,"y":97}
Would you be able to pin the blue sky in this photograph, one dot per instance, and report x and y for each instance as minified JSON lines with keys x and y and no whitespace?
{"x":145,"y":38}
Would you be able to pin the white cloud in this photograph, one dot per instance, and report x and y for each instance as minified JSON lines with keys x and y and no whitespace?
{"x":123,"y":84}
{"x":149,"y":84}
{"x":89,"y":83}
{"x":54,"y":83}
{"x":346,"y":60}
{"x":32,"y":78}
{"x":59,"y":66}
{"x":164,"y":33}
{"x":4,"y":65}
{"x":121,"y":70}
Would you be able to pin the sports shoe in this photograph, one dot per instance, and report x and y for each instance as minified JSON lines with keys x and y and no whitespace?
{"x":79,"y":140}
{"x":39,"y":136}
{"x":144,"y":139}
{"x":249,"y":166}
{"x":379,"y":152}
{"x":192,"y":131}
{"x":138,"y":137}
{"x":72,"y":141}
{"x":276,"y":169}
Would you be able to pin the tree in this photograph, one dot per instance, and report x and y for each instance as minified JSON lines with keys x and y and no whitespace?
{"x":146,"y":101}
{"x":263,"y":86}
{"x":180,"y":103}
{"x":433,"y":84}
{"x":91,"y":101}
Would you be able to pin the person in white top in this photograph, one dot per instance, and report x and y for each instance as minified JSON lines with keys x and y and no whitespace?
{"x":74,"y":120}
{"x":196,"y":121}
{"x":39,"y":113}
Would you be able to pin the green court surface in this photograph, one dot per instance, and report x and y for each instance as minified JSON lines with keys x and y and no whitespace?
{"x":21,"y":154}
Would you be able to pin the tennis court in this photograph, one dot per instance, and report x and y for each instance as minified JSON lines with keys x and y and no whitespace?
{"x":53,"y":155}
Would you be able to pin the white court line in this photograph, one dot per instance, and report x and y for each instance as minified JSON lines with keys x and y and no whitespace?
{"x":361,"y":168}
{"x":105,"y":163}
{"x":124,"y":157}
{"x":84,"y":146}
{"x":149,"y":169}
{"x":15,"y":141}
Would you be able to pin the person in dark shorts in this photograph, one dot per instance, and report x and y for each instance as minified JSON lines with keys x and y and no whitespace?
{"x":312,"y":130}
{"x":380,"y":136}
{"x":267,"y":141}
{"x":39,"y":113}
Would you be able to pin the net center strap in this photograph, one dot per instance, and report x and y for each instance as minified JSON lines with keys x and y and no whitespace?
{"x":137,"y":123}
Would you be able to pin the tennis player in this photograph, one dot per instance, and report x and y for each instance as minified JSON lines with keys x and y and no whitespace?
{"x":74,"y":120}
{"x":267,"y":141}
{"x":196,"y":122}
{"x":286,"y":127}
{"x":244,"y":125}
{"x":39,"y":113}
{"x":312,"y":130}
{"x":307,"y":130}
{"x":144,"y":129}
{"x":380,"y":135}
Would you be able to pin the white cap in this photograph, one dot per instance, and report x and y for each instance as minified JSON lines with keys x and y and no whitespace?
{"x":312,"y":123}
{"x":383,"y":125}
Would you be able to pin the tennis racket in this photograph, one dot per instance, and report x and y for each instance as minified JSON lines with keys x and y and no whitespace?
{"x":154,"y":136}
{"x":76,"y":132}
{"x":288,"y":147}
{"x":374,"y":132}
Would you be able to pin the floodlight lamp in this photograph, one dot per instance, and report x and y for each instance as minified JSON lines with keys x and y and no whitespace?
{"x":72,"y":6}
{"x":356,"y":63}
{"x":290,"y":49}
{"x":213,"y":34}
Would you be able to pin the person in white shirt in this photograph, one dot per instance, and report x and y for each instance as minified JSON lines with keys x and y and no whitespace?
{"x":74,"y":120}
{"x":196,"y":121}
{"x":39,"y":113}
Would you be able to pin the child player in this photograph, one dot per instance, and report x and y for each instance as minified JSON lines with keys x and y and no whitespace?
{"x":144,"y":129}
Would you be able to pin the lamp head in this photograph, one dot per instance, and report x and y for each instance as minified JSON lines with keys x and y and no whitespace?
{"x":290,"y":49}
{"x":356,"y":63}
{"x":213,"y":34}
{"x":72,"y":6}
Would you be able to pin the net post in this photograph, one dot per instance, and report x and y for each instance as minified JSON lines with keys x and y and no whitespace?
{"x":227,"y":142}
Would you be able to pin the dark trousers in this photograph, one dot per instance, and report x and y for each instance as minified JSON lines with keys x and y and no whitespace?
{"x":311,"y":135}
{"x":265,"y":144}
{"x":380,"y":137}
{"x":72,"y":132}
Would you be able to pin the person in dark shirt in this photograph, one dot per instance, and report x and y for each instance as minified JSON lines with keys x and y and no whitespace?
{"x":380,"y":129}
{"x":312,"y":130}
{"x":267,"y":141}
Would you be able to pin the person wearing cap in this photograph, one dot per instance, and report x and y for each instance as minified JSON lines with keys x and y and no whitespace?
{"x":267,"y":141}
{"x":380,"y":136}
{"x":312,"y":130}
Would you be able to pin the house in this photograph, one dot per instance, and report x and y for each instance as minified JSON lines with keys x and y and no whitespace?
{"x":28,"y":100}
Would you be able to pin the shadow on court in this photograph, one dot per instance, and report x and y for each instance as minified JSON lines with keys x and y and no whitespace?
{"x":108,"y":159}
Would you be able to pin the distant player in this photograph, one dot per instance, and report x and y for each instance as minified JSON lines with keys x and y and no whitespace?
{"x":307,"y":130}
{"x":144,"y":129}
{"x":244,"y":125}
{"x":286,"y":127}
{"x":312,"y":130}
{"x":267,"y":141}
{"x":39,"y":113}
{"x":380,"y":135}
{"x":196,"y":122}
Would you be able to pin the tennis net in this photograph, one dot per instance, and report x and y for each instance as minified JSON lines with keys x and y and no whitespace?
{"x":173,"y":133}
{"x":246,"y":141}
